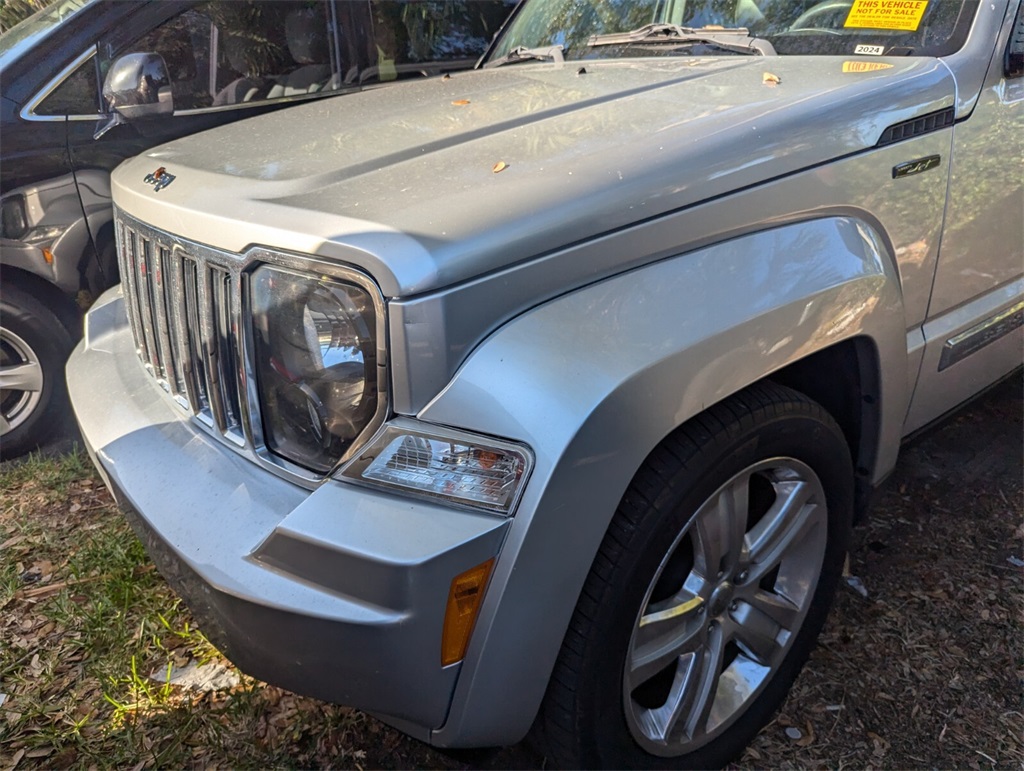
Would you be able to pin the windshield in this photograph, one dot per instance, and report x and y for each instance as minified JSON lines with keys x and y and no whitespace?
{"x":36,"y":27}
{"x":793,"y":27}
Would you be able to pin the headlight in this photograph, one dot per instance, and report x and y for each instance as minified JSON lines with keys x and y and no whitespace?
{"x":316,"y":364}
{"x":13,"y":219}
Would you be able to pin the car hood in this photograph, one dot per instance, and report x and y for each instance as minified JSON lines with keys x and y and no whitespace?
{"x":434,"y":182}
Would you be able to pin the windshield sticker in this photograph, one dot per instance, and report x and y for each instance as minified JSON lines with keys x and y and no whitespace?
{"x":869,"y":50}
{"x":886,"y":14}
{"x":865,"y":66}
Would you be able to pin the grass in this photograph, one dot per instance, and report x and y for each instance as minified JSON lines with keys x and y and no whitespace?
{"x":89,"y":629}
{"x":87,"y":602}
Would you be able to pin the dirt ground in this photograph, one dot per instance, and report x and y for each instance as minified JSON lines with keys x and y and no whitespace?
{"x":921,"y":664}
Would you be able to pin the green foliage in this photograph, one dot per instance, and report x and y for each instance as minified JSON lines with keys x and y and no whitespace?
{"x":14,"y":11}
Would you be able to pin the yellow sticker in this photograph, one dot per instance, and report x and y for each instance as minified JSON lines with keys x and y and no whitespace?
{"x":886,"y":14}
{"x":865,"y":66}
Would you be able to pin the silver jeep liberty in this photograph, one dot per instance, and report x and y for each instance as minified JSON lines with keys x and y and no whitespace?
{"x":544,"y":396}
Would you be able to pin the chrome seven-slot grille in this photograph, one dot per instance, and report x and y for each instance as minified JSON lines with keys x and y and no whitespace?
{"x":183,"y":305}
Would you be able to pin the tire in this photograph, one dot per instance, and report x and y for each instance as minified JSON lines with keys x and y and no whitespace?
{"x":722,"y":558}
{"x":34,"y":346}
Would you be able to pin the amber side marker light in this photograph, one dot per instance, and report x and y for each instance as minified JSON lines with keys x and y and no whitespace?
{"x":464,"y":598}
{"x":48,"y":256}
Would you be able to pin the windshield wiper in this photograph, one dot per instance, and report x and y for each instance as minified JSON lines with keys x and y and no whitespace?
{"x":737,"y":39}
{"x":524,"y":54}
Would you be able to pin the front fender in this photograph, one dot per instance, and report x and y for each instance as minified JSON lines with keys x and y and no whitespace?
{"x":595,"y":379}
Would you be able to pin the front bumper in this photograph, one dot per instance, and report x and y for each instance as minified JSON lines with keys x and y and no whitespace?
{"x":337,"y":593}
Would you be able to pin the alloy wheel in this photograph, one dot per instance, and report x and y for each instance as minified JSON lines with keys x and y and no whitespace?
{"x":724,"y":606}
{"x":21,"y":381}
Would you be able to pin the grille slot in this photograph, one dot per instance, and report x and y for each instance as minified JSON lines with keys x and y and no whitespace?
{"x":183,"y":310}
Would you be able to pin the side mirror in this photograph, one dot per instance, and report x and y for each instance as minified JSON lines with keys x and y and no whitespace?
{"x":137,"y":86}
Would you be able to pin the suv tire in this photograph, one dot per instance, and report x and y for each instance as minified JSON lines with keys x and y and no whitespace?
{"x":723,"y":556}
{"x":34,"y":345}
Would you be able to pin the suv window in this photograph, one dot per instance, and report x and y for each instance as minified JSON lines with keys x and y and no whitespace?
{"x":227,"y":52}
{"x":420,"y":37}
{"x":78,"y":93}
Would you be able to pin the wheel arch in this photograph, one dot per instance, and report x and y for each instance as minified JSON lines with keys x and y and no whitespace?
{"x":595,"y":380}
{"x":62,"y":306}
{"x":845,"y":379}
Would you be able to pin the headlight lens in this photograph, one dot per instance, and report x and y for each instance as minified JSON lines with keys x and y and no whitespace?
{"x":316,"y":364}
{"x":13,"y":219}
{"x":442,"y":463}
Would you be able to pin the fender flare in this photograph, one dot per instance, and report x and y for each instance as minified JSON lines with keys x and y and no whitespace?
{"x":592,"y":381}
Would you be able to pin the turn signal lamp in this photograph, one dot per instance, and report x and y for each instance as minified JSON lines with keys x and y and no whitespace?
{"x":444,"y":464}
{"x":464,"y":598}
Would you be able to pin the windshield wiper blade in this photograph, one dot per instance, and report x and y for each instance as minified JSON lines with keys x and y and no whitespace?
{"x":524,"y":54}
{"x":730,"y":39}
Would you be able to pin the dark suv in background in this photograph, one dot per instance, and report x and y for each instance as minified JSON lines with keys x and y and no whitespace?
{"x":88,"y":83}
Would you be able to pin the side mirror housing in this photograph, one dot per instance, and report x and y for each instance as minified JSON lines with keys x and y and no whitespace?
{"x":138,"y":86}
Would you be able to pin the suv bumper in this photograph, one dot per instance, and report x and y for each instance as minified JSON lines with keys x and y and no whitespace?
{"x":337,"y":593}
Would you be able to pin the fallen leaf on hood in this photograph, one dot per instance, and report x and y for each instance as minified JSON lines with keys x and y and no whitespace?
{"x":499,"y":166}
{"x":770,"y":79}
{"x":460,"y":102}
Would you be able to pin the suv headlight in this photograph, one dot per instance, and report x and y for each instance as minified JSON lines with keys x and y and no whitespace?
{"x":13,"y":218}
{"x":315,"y":345}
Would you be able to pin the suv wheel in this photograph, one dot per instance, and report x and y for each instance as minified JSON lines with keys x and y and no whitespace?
{"x":34,"y":345}
{"x":708,"y":590}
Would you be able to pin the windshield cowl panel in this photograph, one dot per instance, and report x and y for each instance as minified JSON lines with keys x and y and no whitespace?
{"x":594,"y":29}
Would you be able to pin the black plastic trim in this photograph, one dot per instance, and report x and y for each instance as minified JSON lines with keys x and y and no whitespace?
{"x":933,"y":121}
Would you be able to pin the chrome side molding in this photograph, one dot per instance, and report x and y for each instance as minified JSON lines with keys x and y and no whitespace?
{"x":977,"y":337}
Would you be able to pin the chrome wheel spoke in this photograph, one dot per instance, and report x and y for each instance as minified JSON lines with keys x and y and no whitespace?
{"x":685,"y":711}
{"x":780,"y":610}
{"x":5,"y":425}
{"x":662,"y":638}
{"x":700,"y":689}
{"x":759,"y":629}
{"x":27,"y":376}
{"x":721,"y":529}
{"x":783,"y":527}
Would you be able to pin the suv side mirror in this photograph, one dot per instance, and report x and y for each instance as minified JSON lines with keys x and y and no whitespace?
{"x":137,"y":86}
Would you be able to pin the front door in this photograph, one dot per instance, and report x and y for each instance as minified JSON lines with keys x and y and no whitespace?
{"x":973,"y":331}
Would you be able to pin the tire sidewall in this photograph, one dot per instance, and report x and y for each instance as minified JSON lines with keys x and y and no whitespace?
{"x":42,"y":331}
{"x":807,"y":438}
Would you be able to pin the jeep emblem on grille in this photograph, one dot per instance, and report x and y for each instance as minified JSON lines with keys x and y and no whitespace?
{"x":159,"y":179}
